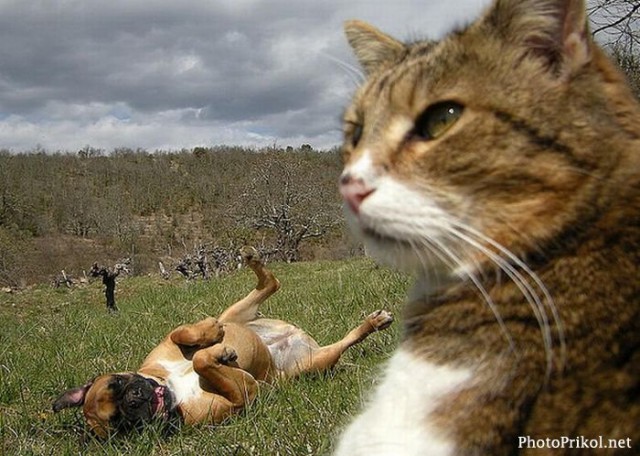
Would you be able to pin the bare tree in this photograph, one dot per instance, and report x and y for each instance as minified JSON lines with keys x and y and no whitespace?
{"x":184,"y":267}
{"x":282,"y":197}
{"x":195,"y":264}
{"x":163,"y":271}
{"x":224,"y":259}
{"x":109,"y":280}
{"x":63,"y":279}
{"x":616,"y":25}
{"x":204,"y":259}
{"x":616,"y":22}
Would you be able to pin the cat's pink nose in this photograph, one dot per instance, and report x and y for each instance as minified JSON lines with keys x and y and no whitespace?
{"x":354,"y":191}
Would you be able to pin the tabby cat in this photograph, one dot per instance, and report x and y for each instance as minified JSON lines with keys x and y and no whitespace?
{"x":501,"y":165}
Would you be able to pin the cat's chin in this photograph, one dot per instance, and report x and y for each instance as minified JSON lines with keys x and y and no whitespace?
{"x":396,"y":250}
{"x":402,"y":255}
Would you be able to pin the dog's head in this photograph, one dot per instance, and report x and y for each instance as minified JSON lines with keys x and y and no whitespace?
{"x":118,"y":402}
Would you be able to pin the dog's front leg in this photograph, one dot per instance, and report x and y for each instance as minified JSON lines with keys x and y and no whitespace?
{"x":202,"y":334}
{"x":221,"y":375}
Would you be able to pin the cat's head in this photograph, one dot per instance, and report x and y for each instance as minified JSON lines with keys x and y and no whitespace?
{"x":492,"y":139}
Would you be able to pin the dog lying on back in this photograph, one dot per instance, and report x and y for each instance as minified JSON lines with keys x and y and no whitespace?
{"x":207,"y":371}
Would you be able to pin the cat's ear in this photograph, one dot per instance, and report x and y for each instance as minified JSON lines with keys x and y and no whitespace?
{"x":374,"y":49}
{"x":554,"y":30}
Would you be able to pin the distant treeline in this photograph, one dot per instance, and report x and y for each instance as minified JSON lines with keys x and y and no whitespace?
{"x":66,"y":210}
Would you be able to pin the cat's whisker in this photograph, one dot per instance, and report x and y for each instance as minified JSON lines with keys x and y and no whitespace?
{"x":523,"y":285}
{"x":525,"y":288}
{"x":482,"y":290}
{"x":436,"y":276}
{"x":448,"y":257}
{"x":355,"y":74}
{"x":545,"y":291}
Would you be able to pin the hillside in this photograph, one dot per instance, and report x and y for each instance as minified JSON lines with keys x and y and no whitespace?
{"x":65,"y":211}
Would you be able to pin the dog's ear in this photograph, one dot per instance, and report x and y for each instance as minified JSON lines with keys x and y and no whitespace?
{"x":72,"y":398}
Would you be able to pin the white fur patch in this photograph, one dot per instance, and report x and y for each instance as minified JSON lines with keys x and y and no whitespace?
{"x":363,"y":168}
{"x":412,"y":224}
{"x":398,"y":211}
{"x":182,"y":380}
{"x":396,"y":421}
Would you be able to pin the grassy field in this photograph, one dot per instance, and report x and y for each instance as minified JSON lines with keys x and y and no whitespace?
{"x":53,"y":339}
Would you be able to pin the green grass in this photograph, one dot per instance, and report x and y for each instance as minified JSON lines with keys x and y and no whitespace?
{"x":53,"y":339}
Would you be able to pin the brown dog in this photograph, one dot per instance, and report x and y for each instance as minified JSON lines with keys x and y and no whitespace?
{"x":204,"y":372}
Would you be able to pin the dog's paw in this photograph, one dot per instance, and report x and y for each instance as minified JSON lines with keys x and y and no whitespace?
{"x":249,"y":254}
{"x":217,"y":332}
{"x":380,"y":319}
{"x":228,"y":356}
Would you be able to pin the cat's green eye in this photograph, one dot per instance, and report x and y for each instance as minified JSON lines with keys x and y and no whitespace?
{"x":356,"y":133}
{"x":437,"y":119}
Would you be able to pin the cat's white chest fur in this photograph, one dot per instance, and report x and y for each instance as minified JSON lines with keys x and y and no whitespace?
{"x":396,"y":420}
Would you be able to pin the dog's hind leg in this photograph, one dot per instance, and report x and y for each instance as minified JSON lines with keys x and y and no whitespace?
{"x":324,"y":358}
{"x":246,"y":309}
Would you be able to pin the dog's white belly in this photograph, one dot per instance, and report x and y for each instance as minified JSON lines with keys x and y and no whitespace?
{"x":396,"y":420}
{"x":182,"y":380}
{"x":288,"y":345}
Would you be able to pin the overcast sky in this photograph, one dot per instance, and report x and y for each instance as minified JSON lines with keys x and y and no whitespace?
{"x":161,"y":74}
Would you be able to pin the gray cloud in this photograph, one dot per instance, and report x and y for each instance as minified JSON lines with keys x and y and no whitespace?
{"x":166,"y":74}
